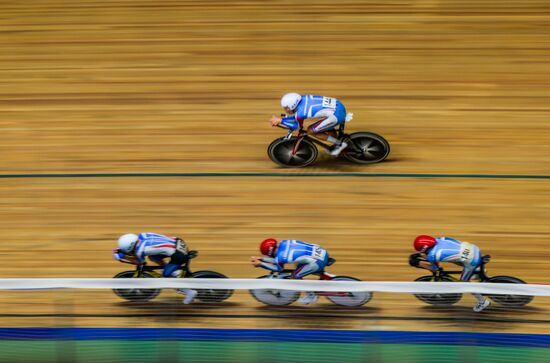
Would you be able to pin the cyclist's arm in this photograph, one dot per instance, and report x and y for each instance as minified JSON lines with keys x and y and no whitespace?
{"x":275,"y":267}
{"x":432,"y":265}
{"x":417,"y":260}
{"x":268,"y":260}
{"x":428,"y":266}
{"x":120,"y":256}
{"x":290,"y":122}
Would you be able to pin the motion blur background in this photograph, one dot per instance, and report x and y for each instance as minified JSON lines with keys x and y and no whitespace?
{"x":133,"y":86}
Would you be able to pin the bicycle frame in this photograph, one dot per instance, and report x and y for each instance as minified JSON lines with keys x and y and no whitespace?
{"x":153,"y":270}
{"x":302,"y":134}
{"x":322,"y":276}
{"x":481,"y":271}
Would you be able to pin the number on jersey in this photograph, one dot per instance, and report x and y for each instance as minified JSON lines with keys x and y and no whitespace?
{"x":329,"y":102}
{"x":319,"y":253}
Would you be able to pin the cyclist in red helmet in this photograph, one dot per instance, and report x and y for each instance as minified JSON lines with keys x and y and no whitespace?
{"x":446,"y":249}
{"x":309,"y":258}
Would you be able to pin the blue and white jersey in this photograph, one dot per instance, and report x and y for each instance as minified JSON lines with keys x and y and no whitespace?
{"x":291,"y":250}
{"x":315,"y":106}
{"x":451,"y":250}
{"x":153,"y":244}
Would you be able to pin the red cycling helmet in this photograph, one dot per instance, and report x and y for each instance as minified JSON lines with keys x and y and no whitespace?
{"x":268,"y":246}
{"x":423,"y":243}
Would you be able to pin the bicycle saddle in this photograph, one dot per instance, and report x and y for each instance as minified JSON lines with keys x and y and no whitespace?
{"x":331,"y":261}
{"x":192,"y":254}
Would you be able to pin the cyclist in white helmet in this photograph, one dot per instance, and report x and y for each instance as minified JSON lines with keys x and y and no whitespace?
{"x":325,"y":112}
{"x":135,"y":248}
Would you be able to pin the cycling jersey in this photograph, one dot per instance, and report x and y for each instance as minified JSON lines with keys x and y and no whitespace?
{"x":300,"y":253}
{"x":449,"y":249}
{"x":153,"y":245}
{"x":316,"y":106}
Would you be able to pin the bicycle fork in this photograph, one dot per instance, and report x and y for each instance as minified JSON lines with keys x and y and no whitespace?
{"x":297,"y":145}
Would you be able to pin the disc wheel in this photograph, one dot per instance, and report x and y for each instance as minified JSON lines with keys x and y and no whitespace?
{"x":281,"y":153}
{"x":352,"y":299}
{"x":509,"y":300}
{"x":373,"y":148}
{"x":274,"y":297}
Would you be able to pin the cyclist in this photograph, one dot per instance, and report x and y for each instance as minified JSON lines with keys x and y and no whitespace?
{"x":135,"y":248}
{"x":446,"y":249}
{"x":309,"y":258}
{"x":325,"y":112}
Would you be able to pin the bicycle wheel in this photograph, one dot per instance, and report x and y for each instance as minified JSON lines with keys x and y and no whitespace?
{"x":135,"y":295}
{"x":374,"y":148}
{"x":274,"y":297}
{"x":509,"y":300}
{"x":438,"y":299}
{"x":353,"y":299}
{"x":280,"y":152}
{"x":211,"y":295}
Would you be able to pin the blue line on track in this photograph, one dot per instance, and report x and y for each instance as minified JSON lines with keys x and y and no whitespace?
{"x":279,"y":335}
{"x":260,"y":175}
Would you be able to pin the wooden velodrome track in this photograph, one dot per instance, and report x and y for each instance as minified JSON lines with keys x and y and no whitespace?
{"x":457,"y":87}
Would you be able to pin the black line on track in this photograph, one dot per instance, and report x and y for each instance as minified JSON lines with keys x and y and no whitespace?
{"x":270,"y":175}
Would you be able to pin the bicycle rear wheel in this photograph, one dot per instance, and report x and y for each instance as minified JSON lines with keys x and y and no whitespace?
{"x":374,"y":148}
{"x":352,"y":299}
{"x":509,"y":300}
{"x":211,"y":295}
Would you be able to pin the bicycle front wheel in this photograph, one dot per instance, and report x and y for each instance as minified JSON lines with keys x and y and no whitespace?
{"x":438,"y":299}
{"x":135,"y":295}
{"x":274,"y":297}
{"x":281,"y":152}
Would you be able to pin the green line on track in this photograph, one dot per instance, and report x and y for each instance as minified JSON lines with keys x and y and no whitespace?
{"x":121,"y":351}
{"x":261,"y":175}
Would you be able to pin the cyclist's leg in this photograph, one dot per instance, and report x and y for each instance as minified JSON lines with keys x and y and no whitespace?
{"x":307,"y":266}
{"x":324,"y":129}
{"x":173,"y":269}
{"x":471,"y":264}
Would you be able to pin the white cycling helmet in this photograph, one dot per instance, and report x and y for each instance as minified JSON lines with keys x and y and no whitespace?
{"x":127,"y":242}
{"x":291,"y":100}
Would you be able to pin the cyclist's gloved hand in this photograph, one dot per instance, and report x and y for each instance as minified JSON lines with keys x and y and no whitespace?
{"x":116,"y":254}
{"x":414,"y":259}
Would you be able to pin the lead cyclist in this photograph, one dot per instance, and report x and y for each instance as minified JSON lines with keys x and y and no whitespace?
{"x":446,"y":249}
{"x":309,"y":258}
{"x":325,"y":112}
